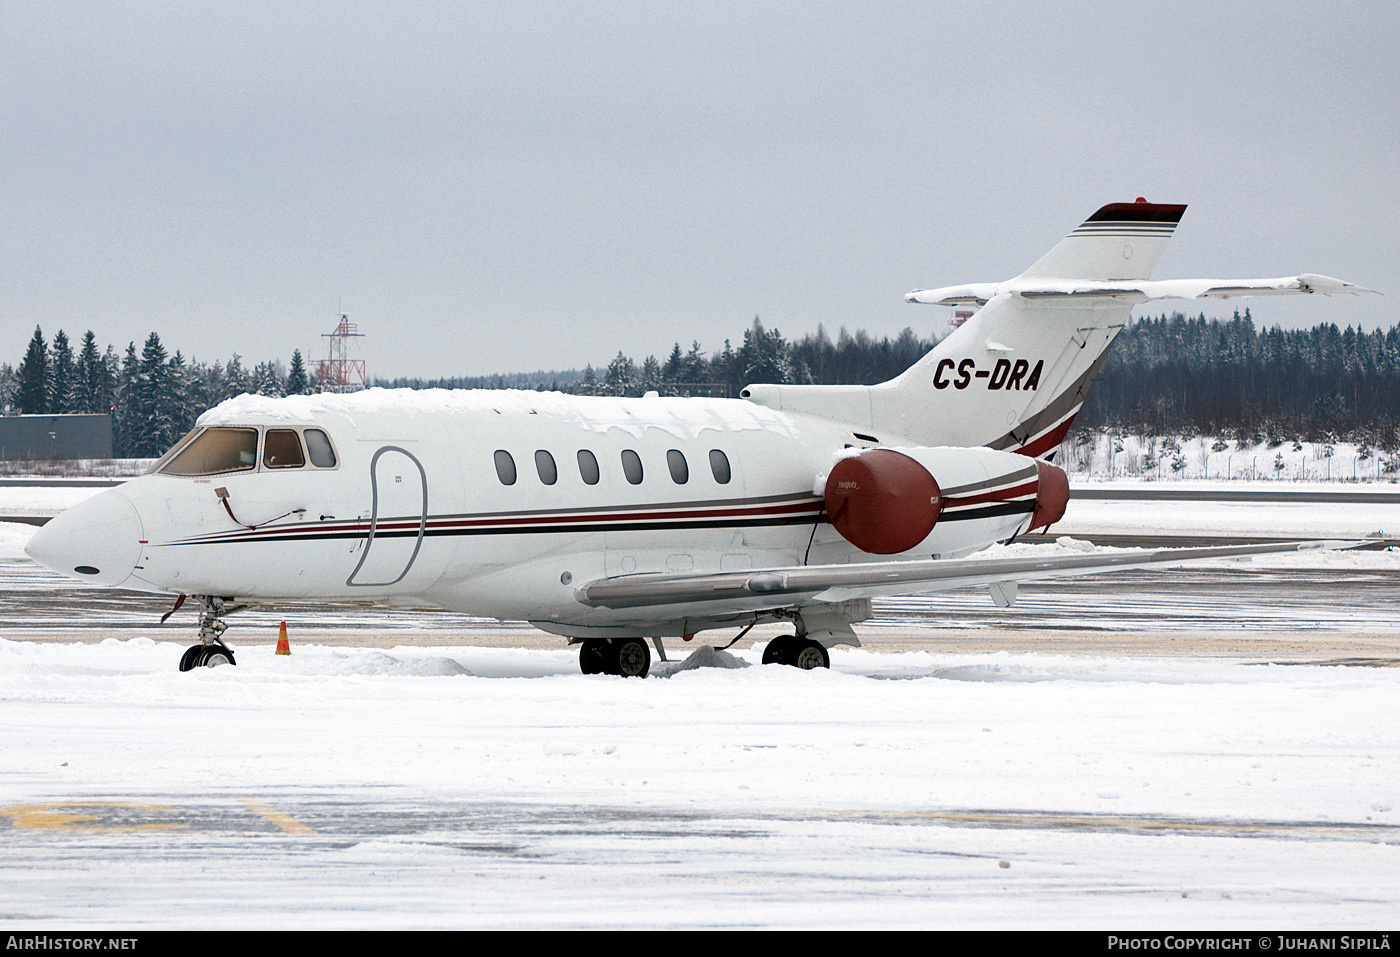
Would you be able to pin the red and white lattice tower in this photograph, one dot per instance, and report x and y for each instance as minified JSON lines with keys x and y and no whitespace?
{"x":340,"y":373}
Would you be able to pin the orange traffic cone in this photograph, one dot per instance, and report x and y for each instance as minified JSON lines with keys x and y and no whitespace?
{"x":282,"y":647}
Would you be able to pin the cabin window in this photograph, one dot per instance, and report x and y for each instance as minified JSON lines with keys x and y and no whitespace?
{"x":544,"y":464}
{"x":282,"y":450}
{"x":680,"y":471}
{"x":318,"y":446}
{"x":632,"y":466}
{"x":719,"y":465}
{"x":505,"y":467}
{"x":216,"y":450}
{"x":588,"y":467}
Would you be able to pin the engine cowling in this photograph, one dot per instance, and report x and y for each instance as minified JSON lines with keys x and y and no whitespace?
{"x":1051,"y":495}
{"x":882,"y":501}
{"x":885,"y":501}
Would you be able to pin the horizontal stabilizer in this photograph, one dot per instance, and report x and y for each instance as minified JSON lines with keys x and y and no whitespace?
{"x":1135,"y":292}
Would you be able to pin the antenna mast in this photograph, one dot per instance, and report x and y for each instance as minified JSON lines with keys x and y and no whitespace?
{"x":340,"y":373}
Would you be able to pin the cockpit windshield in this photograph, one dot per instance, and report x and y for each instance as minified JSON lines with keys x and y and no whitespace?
{"x":215,"y":450}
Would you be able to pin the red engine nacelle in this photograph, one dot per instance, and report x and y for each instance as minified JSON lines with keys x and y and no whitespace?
{"x":883,"y":501}
{"x":1051,"y":495}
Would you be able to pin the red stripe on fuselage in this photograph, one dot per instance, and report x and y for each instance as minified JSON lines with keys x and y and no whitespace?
{"x":1047,"y":441}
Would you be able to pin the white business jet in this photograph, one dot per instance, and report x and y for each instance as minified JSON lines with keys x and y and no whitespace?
{"x":612,"y":521}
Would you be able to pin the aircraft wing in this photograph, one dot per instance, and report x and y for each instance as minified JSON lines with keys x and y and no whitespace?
{"x":800,"y":584}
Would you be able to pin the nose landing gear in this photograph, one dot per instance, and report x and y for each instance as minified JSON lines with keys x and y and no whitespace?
{"x":211,"y":650}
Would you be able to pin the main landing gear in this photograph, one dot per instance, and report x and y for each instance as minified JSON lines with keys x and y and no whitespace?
{"x":628,"y":657}
{"x":211,"y":650}
{"x":803,"y":653}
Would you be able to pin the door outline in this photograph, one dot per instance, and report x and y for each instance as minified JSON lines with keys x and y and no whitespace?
{"x":374,"y":517}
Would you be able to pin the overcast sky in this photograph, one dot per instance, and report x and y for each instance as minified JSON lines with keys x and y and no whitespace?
{"x":497,"y":186}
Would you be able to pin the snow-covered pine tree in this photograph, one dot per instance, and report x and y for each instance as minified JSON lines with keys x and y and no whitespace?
{"x":62,"y":376}
{"x":32,"y":393}
{"x":297,"y":382}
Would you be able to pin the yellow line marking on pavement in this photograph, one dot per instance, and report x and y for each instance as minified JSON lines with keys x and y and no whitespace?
{"x":285,"y":821}
{"x":48,"y":817}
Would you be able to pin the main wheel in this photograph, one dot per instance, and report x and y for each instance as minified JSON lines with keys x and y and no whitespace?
{"x":629,"y":657}
{"x":593,"y":657}
{"x":810,"y":654}
{"x":781,"y":650}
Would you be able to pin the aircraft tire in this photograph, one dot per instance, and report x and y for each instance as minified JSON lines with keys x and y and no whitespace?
{"x":810,"y":654}
{"x":781,"y":650}
{"x":629,"y":657}
{"x":205,"y":656}
{"x":593,"y":657}
{"x":187,"y":660}
{"x":215,"y":656}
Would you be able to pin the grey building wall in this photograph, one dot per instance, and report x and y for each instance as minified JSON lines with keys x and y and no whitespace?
{"x":55,"y":437}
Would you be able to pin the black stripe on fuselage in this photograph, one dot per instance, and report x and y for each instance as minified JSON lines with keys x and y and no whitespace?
{"x":431,"y":532}
{"x":989,"y":511}
{"x":410,"y":527}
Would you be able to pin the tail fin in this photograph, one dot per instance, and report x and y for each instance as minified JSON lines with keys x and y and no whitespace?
{"x":1014,"y":376}
{"x":1120,"y":241}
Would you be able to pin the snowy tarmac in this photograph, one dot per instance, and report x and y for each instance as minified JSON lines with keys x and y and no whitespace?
{"x":461,"y":787}
{"x":1114,"y":752}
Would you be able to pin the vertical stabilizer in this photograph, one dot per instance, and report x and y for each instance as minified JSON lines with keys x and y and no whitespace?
{"x":1013,"y":376}
{"x":1120,"y":241}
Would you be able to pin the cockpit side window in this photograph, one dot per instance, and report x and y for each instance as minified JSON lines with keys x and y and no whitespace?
{"x":318,"y":446}
{"x":216,"y":450}
{"x":282,"y":450}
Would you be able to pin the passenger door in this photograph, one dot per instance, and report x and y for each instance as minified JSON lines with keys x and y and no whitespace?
{"x":398,"y":518}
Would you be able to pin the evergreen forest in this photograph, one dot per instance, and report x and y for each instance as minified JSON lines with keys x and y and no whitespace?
{"x":1166,"y":375}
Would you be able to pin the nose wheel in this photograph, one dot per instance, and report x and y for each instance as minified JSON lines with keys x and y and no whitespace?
{"x":211,"y":650}
{"x":206,"y":656}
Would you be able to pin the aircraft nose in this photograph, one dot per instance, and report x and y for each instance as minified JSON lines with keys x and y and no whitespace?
{"x":98,"y":540}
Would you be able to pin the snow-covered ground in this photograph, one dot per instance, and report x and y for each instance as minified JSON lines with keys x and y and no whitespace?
{"x":1095,"y":456}
{"x":461,"y":786}
{"x":1301,"y":518}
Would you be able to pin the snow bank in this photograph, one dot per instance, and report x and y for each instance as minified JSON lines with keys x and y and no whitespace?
{"x":1108,"y":455}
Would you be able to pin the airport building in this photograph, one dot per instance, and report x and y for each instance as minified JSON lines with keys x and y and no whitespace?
{"x":55,"y":437}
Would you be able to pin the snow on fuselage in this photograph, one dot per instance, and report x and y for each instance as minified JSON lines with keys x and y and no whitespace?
{"x":493,"y":502}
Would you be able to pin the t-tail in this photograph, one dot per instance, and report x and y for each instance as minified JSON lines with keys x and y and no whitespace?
{"x":1016,"y":373}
